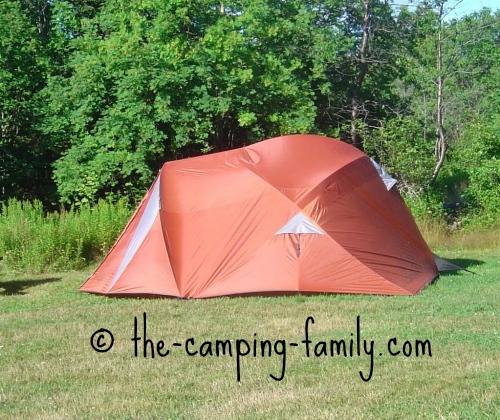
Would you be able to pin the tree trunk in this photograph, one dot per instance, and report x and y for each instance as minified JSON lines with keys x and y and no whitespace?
{"x":440,"y":146}
{"x":356,"y":138}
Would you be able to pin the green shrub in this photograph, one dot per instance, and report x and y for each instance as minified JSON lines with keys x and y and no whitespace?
{"x":478,"y":155}
{"x":400,"y":147}
{"x":427,"y":206}
{"x":466,"y":192}
{"x":34,"y":241}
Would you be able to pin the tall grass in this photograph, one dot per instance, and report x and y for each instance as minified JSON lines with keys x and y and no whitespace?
{"x":34,"y":241}
{"x":439,"y":236}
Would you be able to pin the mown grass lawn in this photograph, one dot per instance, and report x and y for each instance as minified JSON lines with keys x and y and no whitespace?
{"x":48,"y":368}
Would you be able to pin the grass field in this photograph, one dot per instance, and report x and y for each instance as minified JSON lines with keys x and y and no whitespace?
{"x":49,"y":370}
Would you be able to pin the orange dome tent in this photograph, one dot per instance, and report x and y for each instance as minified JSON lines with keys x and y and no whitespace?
{"x":293,"y":214}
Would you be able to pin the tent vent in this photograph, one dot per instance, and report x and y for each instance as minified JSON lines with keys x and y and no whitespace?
{"x":299,"y":224}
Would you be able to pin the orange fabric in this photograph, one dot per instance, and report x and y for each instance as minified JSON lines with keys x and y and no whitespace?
{"x":100,"y":281}
{"x":215,"y":229}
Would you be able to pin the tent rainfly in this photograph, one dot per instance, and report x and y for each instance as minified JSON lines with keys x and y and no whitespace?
{"x":293,"y":214}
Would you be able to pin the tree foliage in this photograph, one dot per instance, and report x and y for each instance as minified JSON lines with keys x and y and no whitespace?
{"x":470,"y":82}
{"x":149,"y":81}
{"x":478,"y":152}
{"x":96,"y":95}
{"x":24,"y":152}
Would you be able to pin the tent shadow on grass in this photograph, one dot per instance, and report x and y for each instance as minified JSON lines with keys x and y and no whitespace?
{"x":18,"y":287}
{"x":468,"y":266}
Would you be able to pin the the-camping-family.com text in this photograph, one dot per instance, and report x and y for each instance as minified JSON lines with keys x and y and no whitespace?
{"x":354,"y":346}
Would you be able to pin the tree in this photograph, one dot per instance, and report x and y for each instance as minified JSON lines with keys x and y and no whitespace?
{"x":151,"y":81}
{"x":443,"y":72}
{"x":440,"y":145}
{"x":437,"y":98}
{"x":360,"y":96}
{"x":25,"y":154}
{"x":360,"y":77}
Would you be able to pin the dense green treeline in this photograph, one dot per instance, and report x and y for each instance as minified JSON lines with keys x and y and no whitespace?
{"x":96,"y":95}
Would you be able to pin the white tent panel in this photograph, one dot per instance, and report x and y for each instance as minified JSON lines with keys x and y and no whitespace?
{"x":389,"y":181}
{"x":299,"y":224}
{"x":147,"y":220}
